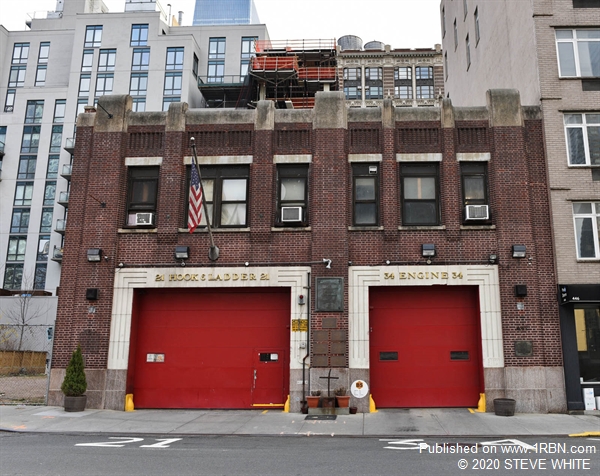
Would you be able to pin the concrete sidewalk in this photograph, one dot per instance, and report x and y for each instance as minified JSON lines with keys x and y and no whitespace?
{"x":387,"y":423}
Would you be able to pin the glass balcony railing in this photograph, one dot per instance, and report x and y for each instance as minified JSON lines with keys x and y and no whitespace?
{"x":61,"y":225}
{"x":70,"y":145}
{"x":67,"y":170}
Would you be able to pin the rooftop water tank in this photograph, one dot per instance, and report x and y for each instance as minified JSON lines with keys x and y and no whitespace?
{"x":350,"y":42}
{"x":374,"y":45}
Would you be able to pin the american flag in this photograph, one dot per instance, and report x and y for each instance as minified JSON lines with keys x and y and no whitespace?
{"x":195,"y":208}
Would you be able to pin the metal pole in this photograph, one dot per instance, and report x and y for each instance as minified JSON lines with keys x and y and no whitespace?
{"x":213,"y":252}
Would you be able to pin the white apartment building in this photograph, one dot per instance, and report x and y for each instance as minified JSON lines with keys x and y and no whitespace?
{"x":549,"y":50}
{"x":63,"y":63}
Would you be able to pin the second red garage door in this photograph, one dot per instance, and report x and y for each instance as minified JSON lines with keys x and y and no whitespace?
{"x":425,"y":346}
{"x":210,"y":348}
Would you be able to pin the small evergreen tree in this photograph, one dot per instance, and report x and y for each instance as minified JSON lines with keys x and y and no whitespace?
{"x":75,"y":383}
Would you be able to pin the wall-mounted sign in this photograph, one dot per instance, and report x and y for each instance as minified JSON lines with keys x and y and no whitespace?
{"x":359,"y":389}
{"x":159,"y":358}
{"x":578,"y":293}
{"x":330,"y":294}
{"x":299,"y":325}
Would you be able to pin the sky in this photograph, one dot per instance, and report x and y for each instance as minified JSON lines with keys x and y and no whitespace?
{"x":399,"y":23}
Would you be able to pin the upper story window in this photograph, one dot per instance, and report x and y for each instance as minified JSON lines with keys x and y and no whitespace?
{"x":292,"y":195}
{"x":248,"y":51}
{"x":87,"y":60}
{"x":139,"y":35}
{"x":226,"y":195}
{"x":468,"y":51}
{"x":142,"y":192}
{"x":9,"y":103}
{"x":34,"y":112}
{"x":476,"y":18}
{"x":474,"y":191}
{"x":31,"y":139}
{"x":443,"y":22}
{"x":27,"y":164}
{"x":404,"y":72}
{"x":420,"y":196}
{"x":40,"y":75}
{"x":141,"y":59}
{"x":587,"y":224}
{"x":578,"y":53}
{"x":104,"y":84}
{"x":365,"y":190}
{"x":583,"y":138}
{"x":174,"y":58}
{"x":16,"y":248}
{"x":465,"y":8}
{"x":16,"y":77}
{"x":93,"y":36}
{"x":84,"y":84}
{"x":44,"y":52}
{"x":20,"y":53}
{"x":216,"y":48}
{"x":455,"y":35}
{"x":352,"y":74}
{"x":585,"y":4}
{"x":373,"y":74}
{"x":423,"y":72}
{"x":23,"y":194}
{"x":59,"y":111}
{"x":107,"y":59}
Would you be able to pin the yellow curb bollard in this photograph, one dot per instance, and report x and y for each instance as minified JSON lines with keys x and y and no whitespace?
{"x":129,"y":402}
{"x":286,"y":406}
{"x":372,"y":407}
{"x":481,"y":404}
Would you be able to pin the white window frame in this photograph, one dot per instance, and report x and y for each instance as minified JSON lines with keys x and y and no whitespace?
{"x":573,"y":41}
{"x":594,"y":216}
{"x":584,"y":125}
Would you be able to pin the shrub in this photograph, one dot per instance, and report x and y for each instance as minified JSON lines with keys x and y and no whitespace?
{"x":75,"y":383}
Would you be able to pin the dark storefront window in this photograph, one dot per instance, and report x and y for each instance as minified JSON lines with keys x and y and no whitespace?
{"x":587,"y":328}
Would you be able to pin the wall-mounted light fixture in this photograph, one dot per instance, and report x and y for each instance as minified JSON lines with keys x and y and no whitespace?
{"x":327,"y":263}
{"x":94,"y":255}
{"x":519,"y":251}
{"x":493,"y":258}
{"x":428,"y":250}
{"x":182,"y":252}
{"x":520,"y":290}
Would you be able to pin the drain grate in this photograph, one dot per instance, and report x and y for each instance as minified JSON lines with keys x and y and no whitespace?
{"x":321,"y":417}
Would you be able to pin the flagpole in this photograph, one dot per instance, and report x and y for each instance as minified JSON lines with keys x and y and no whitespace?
{"x":213,"y":252}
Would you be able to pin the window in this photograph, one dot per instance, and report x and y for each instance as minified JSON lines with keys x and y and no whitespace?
{"x":20,"y":220}
{"x":84,"y":84}
{"x":174,"y":58}
{"x":420,"y":201}
{"x":43,"y":248}
{"x":446,"y":63}
{"x":443,"y":22}
{"x":139,"y":104}
{"x":292,"y":195}
{"x":81,"y":103}
{"x":34,"y":112}
{"x":13,"y":275}
{"x":583,"y":138}
{"x":141,"y":59}
{"x":46,"y":222}
{"x":365,"y":188}
{"x":352,"y":74}
{"x":9,"y":103}
{"x":23,"y":194}
{"x":403,"y":92}
{"x":16,"y":248}
{"x":587,"y":229}
{"x":40,"y":276}
{"x":468,"y":51}
{"x":474,"y":189}
{"x":56,"y":139}
{"x":59,"y":111}
{"x":87,"y":60}
{"x":587,"y":330}
{"x":352,"y":92}
{"x":44,"y":52}
{"x":49,"y":193}
{"x":248,"y":51}
{"x":216,"y":48}
{"x":195,"y":66}
{"x":52,"y":170}
{"x":107,"y":59}
{"x":20,"y":53}
{"x":352,"y":83}
{"x":40,"y":75}
{"x":455,"y":35}
{"x":27,"y":165}
{"x":476,"y":17}
{"x":373,"y":92}
{"x":168,"y":100}
{"x":216,"y":71}
{"x":31,"y":139}
{"x":138,"y":84}
{"x":424,"y":92}
{"x":16,"y":78}
{"x":2,"y":139}
{"x":424,"y":72}
{"x":465,"y":8}
{"x":403,"y":73}
{"x":372,"y":74}
{"x":226,"y":195}
{"x":172,"y":84}
{"x":585,"y":3}
{"x":93,"y":36}
{"x":142,"y":189}
{"x":139,"y":35}
{"x":104,"y":84}
{"x":578,"y":53}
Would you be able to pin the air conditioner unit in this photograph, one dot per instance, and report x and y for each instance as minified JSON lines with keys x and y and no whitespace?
{"x":291,"y":214}
{"x":144,"y":219}
{"x":477,"y":212}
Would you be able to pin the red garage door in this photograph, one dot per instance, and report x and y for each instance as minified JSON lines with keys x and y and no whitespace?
{"x":210,"y":348}
{"x":425,"y":346}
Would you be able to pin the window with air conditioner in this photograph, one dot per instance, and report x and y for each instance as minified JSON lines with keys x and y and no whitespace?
{"x":292,"y":195}
{"x":142,"y":188}
{"x":474,"y":192}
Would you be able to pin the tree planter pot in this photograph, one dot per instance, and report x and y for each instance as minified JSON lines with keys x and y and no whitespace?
{"x":504,"y":406}
{"x":313,"y":402}
{"x":343,"y":401}
{"x":75,"y":404}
